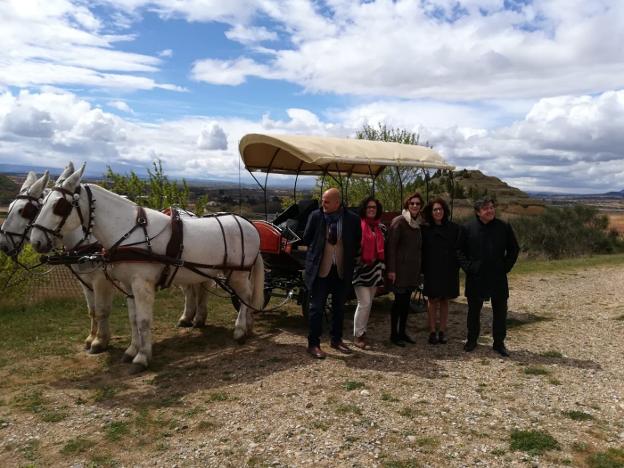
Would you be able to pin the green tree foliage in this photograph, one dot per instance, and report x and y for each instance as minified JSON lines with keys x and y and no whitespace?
{"x":388,"y":183}
{"x":156,"y":192}
{"x":566,"y":232}
{"x":17,"y":280}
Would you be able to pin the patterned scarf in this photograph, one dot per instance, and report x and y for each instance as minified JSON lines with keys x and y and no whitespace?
{"x":333,"y":221}
{"x":372,"y":241}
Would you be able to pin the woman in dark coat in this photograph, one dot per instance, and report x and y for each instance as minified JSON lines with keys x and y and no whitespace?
{"x":403,"y":254}
{"x":440,"y":265}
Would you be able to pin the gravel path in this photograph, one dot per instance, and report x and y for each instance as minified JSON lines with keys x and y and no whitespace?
{"x":268,"y":404}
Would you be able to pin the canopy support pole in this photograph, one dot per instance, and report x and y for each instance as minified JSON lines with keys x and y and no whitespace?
{"x":398,"y":171}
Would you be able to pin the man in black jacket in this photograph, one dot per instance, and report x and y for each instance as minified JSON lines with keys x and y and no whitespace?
{"x":488,"y":250}
{"x":333,"y":237}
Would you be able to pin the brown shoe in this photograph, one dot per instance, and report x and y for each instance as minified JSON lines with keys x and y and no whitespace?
{"x":342,"y":347}
{"x":316,"y":352}
{"x":360,"y":342}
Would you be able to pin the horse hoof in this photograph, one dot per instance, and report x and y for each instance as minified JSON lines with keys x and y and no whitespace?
{"x":185,"y":324}
{"x":97,"y":349}
{"x":199,"y":325}
{"x":136,"y":368}
{"x":126,"y":358}
{"x":87,"y":345}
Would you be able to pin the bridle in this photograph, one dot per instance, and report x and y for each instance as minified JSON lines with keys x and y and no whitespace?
{"x":64,"y":208}
{"x":29,"y":212}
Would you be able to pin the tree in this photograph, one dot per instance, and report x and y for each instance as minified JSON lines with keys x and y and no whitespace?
{"x":156,"y":192}
{"x":388,"y":183}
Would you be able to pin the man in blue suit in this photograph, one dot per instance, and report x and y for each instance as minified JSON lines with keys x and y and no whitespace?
{"x":333,"y":237}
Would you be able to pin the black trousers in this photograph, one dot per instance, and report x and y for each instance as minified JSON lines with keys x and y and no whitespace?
{"x":398,"y":313}
{"x":499,"y":320}
{"x":323,"y":287}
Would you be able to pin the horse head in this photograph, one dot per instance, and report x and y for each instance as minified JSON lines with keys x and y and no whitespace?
{"x":22,"y":212}
{"x":57,"y":215}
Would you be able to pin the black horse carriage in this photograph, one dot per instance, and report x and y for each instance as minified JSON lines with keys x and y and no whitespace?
{"x":337,"y":158}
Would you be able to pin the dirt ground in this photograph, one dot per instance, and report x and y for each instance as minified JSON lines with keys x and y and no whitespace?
{"x":207,"y":401}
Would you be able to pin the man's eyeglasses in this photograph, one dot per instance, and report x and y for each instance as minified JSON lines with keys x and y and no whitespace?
{"x":414,"y":203}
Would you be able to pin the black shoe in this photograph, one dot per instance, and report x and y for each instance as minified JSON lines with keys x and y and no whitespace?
{"x":433,"y":339}
{"x":395,"y":340}
{"x":442,"y":338}
{"x":501,"y":350}
{"x":406,"y":338}
{"x":470,"y":346}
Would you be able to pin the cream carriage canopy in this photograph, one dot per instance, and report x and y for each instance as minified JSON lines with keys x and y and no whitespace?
{"x":314,"y":155}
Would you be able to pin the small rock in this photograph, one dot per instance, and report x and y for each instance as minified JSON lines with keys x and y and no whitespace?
{"x":411,"y":439}
{"x":365,"y":393}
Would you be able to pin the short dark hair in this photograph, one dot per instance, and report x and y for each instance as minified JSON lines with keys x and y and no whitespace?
{"x":364,"y":204}
{"x":413,"y":195}
{"x":428,"y":210}
{"x":478,"y":204}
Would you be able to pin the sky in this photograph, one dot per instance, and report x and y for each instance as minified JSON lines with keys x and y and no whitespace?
{"x":531,"y":91}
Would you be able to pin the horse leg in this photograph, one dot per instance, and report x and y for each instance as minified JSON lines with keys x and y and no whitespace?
{"x":190,"y":306}
{"x":239,"y":281}
{"x":89,"y":296}
{"x":103,"y":290}
{"x":201,"y":293}
{"x":144,"y":293}
{"x":133,"y":349}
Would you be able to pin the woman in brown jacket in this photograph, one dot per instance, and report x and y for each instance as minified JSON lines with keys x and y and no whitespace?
{"x":403,"y":264}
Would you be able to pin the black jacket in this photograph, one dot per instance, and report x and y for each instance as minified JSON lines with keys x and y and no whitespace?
{"x":487,"y":252}
{"x":439,"y":260}
{"x":314,"y":237}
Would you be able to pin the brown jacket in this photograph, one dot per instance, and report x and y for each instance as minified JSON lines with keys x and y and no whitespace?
{"x":403,"y":253}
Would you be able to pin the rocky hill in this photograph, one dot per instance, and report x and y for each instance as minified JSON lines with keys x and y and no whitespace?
{"x":510,"y":200}
{"x":8,"y":190}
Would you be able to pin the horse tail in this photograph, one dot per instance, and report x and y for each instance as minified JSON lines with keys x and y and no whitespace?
{"x":257,"y":277}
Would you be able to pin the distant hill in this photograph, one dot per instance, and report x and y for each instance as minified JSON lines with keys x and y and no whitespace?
{"x":510,"y":200}
{"x":8,"y":190}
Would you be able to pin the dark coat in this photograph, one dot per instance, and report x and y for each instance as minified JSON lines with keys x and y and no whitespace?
{"x":487,"y":252}
{"x":403,"y":253}
{"x":314,"y":237}
{"x":440,"y":265}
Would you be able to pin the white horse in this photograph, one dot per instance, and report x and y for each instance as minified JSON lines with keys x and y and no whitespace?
{"x":97,"y":289}
{"x":223,"y":247}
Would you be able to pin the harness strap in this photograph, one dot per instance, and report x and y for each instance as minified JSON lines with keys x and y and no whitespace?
{"x":240,"y":228}
{"x":225,"y":249}
{"x":79,"y":278}
{"x":175,"y":247}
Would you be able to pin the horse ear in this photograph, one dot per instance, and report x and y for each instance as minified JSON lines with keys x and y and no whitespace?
{"x":30,"y":179}
{"x":72,"y":182}
{"x":37,"y":188}
{"x":69,"y":169}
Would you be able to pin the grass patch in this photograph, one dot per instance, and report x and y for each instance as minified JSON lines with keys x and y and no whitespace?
{"x":104,"y":393}
{"x":31,"y":401}
{"x":103,"y":461}
{"x":218,"y":396}
{"x":554,"y":381}
{"x":53,"y":416}
{"x":346,"y":408}
{"x":611,"y":458}
{"x":551,"y":354}
{"x":408,"y":412}
{"x":350,"y":385}
{"x":427,"y":442}
{"x":30,"y":450}
{"x":207,"y":425}
{"x":533,"y":442}
{"x":385,"y":396}
{"x":580,"y":447}
{"x":535,"y":370}
{"x":77,"y":445}
{"x":527,"y":266}
{"x":116,"y":430}
{"x":322,"y":425}
{"x":577,"y":415}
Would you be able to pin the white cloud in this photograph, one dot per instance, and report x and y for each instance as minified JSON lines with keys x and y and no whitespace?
{"x":62,"y":42}
{"x":212,"y":138}
{"x":121,"y":105}
{"x":166,"y":53}
{"x":568,"y":143}
{"x":447,"y":50}
{"x":250,"y":34}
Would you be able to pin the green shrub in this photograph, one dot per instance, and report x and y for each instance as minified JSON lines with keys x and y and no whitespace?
{"x":566,"y":232}
{"x":533,"y":442}
{"x":15,"y":280}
